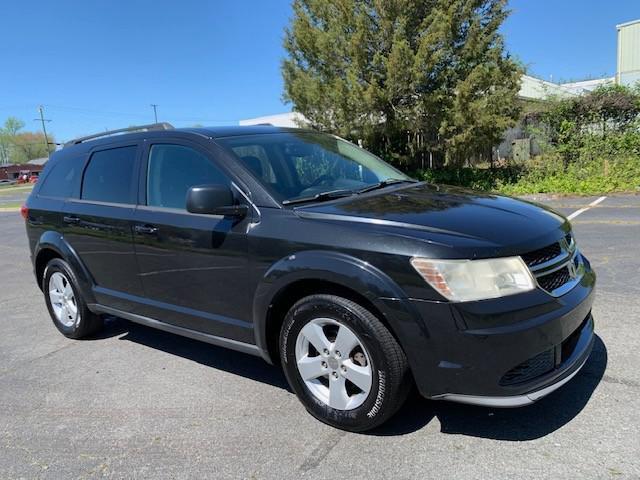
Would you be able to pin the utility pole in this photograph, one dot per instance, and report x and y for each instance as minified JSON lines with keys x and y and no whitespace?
{"x":44,"y":130}
{"x":155,"y":111}
{"x":4,"y":155}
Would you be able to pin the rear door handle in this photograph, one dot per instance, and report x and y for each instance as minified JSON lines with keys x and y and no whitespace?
{"x":70,"y":219}
{"x":145,"y":229}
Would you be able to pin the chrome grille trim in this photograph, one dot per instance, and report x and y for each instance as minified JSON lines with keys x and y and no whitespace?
{"x":570,"y":258}
{"x":552,"y":265}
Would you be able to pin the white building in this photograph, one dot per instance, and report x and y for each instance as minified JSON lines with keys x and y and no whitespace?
{"x":628,"y":71}
{"x":288,"y":119}
{"x":532,"y":88}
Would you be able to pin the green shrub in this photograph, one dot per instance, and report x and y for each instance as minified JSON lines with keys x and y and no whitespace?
{"x":590,"y":145}
{"x":546,"y":175}
{"x":474,"y":178}
{"x":584,"y":178}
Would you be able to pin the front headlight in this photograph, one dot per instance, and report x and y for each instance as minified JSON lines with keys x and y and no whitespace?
{"x":467,"y":280}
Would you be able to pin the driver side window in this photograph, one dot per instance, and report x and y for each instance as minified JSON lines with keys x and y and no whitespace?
{"x":173,"y":169}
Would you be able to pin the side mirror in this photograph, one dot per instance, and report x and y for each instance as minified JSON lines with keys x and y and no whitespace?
{"x":214,"y":200}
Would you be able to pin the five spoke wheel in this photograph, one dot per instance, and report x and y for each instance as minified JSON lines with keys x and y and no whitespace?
{"x":333,"y":364}
{"x":63,"y":299}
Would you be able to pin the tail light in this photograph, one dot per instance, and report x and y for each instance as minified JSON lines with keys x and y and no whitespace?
{"x":24,"y":211}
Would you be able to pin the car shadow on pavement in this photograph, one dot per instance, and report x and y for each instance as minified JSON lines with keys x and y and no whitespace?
{"x":237,"y":363}
{"x":513,"y":424}
{"x":517,"y":424}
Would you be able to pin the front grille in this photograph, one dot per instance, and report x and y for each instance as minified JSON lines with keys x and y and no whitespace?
{"x":554,"y":280}
{"x":547,"y":361}
{"x":528,"y":370}
{"x":554,"y":259}
{"x":538,"y":257}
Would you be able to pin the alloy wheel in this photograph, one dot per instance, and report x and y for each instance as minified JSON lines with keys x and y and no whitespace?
{"x":333,"y":364}
{"x":63,"y":299}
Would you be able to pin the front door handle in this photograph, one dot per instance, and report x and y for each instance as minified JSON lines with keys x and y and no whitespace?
{"x":71,"y":219}
{"x":145,"y":229}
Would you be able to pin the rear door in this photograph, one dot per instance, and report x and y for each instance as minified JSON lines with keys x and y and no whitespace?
{"x":193,"y":267}
{"x":98,"y":223}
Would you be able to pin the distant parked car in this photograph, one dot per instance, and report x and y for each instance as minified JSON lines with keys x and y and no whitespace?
{"x":7,"y":181}
{"x":33,"y":179}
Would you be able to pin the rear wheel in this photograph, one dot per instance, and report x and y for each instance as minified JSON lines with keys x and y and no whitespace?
{"x":66,"y":306}
{"x":343,"y":363}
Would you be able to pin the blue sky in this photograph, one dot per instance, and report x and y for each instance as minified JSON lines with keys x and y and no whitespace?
{"x":98,"y":64}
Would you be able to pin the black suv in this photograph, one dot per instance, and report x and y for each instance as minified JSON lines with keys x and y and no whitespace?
{"x":304,"y":249}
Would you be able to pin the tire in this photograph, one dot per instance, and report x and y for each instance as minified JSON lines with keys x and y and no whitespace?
{"x":61,"y":294}
{"x":354,"y":407}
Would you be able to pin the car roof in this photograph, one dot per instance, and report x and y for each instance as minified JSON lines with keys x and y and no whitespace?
{"x":237,"y":130}
{"x":85,"y":144}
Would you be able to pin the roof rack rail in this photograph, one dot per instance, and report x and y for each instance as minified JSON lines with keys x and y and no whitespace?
{"x":135,"y":128}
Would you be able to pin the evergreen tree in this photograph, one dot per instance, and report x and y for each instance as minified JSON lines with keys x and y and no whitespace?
{"x":409,"y":77}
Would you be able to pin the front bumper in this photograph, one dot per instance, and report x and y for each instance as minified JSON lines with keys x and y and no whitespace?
{"x":566,"y":372}
{"x":504,"y":352}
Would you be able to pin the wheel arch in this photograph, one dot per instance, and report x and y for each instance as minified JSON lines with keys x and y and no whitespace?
{"x":53,"y":245}
{"x":312,"y":272}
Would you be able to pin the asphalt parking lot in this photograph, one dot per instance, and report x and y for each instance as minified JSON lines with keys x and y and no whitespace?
{"x":140,"y":403}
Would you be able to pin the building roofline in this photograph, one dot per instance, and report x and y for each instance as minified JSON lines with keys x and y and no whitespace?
{"x":627,"y":24}
{"x":587,"y":80}
{"x":542,"y":80}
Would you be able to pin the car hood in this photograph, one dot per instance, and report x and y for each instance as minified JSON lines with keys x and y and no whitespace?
{"x":447,"y":211}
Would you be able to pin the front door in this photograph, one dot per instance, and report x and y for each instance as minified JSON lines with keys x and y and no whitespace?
{"x":193,"y":267}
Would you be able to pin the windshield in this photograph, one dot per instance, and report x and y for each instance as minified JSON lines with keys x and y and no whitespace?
{"x":305,"y":165}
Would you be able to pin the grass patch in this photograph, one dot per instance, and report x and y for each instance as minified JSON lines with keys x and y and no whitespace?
{"x":10,"y":206}
{"x":8,"y":189}
{"x":591,"y":177}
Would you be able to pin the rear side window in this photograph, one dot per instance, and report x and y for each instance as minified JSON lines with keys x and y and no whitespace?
{"x":109,"y":175}
{"x":61,"y":180}
{"x":173,"y":169}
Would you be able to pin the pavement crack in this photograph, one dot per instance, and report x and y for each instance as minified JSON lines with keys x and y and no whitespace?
{"x":35,"y":359}
{"x":321,"y":451}
{"x":621,"y":381}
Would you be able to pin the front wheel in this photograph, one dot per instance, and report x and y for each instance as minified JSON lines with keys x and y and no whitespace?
{"x":343,"y":363}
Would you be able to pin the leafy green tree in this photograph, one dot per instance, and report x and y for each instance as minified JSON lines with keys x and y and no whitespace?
{"x":7,"y":133}
{"x":12,"y":126}
{"x":20,"y":147}
{"x":408,"y":77}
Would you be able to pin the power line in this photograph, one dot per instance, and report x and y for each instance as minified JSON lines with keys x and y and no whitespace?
{"x":96,"y":113}
{"x":104,"y":114}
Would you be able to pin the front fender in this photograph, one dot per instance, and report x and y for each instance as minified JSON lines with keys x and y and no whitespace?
{"x":50,"y":240}
{"x":340,"y":269}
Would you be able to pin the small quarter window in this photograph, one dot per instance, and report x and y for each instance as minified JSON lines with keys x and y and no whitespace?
{"x":173,"y":169}
{"x":62,"y":178}
{"x":109,"y":175}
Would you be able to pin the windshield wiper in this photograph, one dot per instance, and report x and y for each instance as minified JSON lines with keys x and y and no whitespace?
{"x":385,"y":183}
{"x":330,"y":195}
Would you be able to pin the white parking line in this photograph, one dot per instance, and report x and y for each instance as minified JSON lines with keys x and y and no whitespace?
{"x":582,"y":210}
